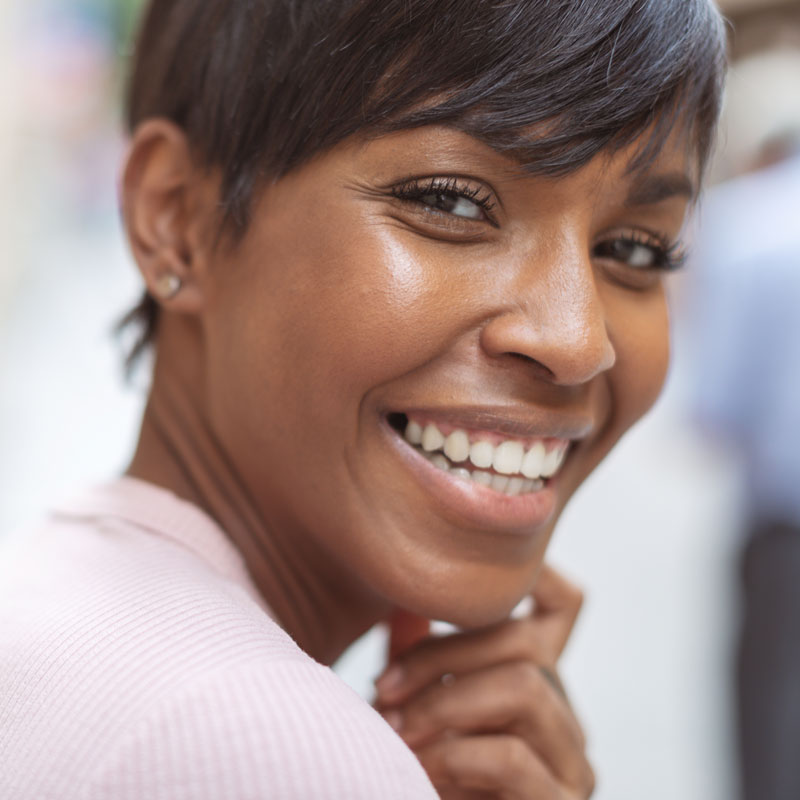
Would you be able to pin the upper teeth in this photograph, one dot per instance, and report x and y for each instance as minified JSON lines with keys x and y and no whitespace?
{"x":509,"y":457}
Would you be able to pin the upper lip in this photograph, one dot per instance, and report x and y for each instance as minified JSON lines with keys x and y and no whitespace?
{"x":511,"y":421}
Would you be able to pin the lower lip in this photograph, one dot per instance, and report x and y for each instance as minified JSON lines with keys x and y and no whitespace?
{"x":474,"y":505}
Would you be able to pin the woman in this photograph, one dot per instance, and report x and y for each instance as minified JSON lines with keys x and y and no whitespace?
{"x":404,"y":269}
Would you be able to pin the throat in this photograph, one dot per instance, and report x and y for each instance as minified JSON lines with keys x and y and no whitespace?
{"x":321,"y":608}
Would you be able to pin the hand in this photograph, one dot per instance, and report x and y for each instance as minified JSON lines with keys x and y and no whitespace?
{"x":484,"y":710}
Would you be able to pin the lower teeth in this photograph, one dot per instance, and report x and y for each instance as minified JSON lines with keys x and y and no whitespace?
{"x":500,"y":483}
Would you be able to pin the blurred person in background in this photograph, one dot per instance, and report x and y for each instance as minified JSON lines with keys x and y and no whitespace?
{"x":745,"y":308}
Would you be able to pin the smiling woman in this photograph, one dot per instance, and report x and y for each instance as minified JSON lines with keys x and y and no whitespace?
{"x":404,"y":266}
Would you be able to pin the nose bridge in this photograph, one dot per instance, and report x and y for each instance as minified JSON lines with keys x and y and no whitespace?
{"x":557,"y":317}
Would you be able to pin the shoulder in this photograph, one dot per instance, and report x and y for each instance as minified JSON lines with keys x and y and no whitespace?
{"x":99,"y":621}
{"x":104,"y":604}
{"x":133,"y":669}
{"x":283,"y":729}
{"x":109,"y":589}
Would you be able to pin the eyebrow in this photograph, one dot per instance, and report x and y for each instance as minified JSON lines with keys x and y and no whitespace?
{"x":652,"y":189}
{"x":647,"y":190}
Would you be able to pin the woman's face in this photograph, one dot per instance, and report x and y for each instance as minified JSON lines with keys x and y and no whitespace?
{"x":422,"y":278}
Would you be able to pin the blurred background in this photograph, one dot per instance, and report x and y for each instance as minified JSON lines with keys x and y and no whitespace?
{"x":656,"y":535}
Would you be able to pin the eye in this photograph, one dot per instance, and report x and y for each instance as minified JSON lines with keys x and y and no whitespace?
{"x":453,"y":204}
{"x":641,"y":251}
{"x":448,"y":196}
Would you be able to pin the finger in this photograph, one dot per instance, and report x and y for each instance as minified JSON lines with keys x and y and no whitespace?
{"x":540,"y":638}
{"x":510,"y":698}
{"x":502,"y":765}
{"x":557,"y":603}
{"x":459,"y":653}
{"x":405,"y":631}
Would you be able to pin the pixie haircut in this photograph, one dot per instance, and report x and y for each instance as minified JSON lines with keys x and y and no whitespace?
{"x":261,"y":86}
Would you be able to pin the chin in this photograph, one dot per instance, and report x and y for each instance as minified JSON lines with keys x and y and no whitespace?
{"x":476,"y":611}
{"x":474,"y":596}
{"x":482,"y":615}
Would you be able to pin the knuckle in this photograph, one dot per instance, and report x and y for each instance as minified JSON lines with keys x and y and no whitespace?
{"x":575,"y":596}
{"x":529,"y":678}
{"x":513,"y":762}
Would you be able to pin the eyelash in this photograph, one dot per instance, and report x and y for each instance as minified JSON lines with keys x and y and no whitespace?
{"x":667,"y":257}
{"x":416,"y":189}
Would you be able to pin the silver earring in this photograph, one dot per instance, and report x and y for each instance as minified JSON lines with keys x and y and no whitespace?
{"x":168,"y":285}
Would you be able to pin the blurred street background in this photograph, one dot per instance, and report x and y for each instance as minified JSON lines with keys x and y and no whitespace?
{"x":654,"y":537}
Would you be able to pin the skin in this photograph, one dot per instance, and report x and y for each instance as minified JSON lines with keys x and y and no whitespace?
{"x":282,"y":354}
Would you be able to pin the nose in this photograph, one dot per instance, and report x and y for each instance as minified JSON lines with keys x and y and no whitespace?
{"x":555,"y":319}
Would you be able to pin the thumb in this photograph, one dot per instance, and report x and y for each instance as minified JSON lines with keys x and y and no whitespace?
{"x":406,"y":630}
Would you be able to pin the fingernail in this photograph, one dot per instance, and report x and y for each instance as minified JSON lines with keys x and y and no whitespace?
{"x":395,"y":719}
{"x":390,"y":681}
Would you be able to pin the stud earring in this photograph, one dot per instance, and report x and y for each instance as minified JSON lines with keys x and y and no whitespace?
{"x":168,"y":285}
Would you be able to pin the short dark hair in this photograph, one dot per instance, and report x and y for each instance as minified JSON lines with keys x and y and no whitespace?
{"x":259,"y":87}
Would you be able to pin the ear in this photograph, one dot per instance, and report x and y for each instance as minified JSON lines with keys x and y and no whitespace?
{"x":167,"y":205}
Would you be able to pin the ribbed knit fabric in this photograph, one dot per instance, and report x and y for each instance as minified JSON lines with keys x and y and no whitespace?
{"x":138,"y":662}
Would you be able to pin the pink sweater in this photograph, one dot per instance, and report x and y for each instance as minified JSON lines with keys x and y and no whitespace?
{"x":137,"y":661}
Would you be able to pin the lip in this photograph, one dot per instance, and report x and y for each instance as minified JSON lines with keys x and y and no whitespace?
{"x":510,"y":422}
{"x":470,"y":504}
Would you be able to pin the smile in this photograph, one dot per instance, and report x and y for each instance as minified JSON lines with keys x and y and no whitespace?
{"x":474,"y":464}
{"x":509,"y":466}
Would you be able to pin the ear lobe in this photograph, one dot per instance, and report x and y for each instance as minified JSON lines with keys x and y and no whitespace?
{"x":164,"y":213}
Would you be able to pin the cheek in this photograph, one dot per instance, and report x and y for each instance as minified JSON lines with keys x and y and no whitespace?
{"x":641,"y":339}
{"x":315,"y":314}
{"x":639,"y":328}
{"x":383,"y":315}
{"x":361,"y":303}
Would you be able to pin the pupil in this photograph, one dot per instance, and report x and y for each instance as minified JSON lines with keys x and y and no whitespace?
{"x":632,"y":253}
{"x":444,"y":202}
{"x":622,"y":249}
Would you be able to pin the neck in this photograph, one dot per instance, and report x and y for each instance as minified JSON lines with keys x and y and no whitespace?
{"x":322,"y":605}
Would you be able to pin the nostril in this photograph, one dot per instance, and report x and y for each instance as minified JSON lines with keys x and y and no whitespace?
{"x":532,"y":362}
